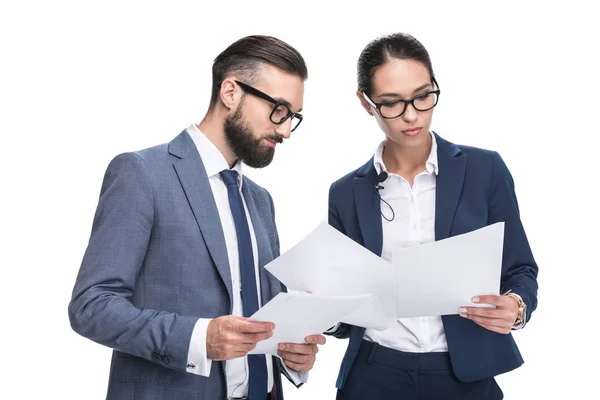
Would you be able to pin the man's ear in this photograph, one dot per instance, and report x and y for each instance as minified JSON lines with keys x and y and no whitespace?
{"x":230,"y":94}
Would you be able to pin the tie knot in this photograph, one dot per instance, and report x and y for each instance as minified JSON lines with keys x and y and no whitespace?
{"x":229,"y":177}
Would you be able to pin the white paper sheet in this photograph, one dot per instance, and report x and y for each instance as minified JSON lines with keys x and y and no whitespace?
{"x":297,"y":315}
{"x":426,"y":280}
{"x":438,"y":278}
{"x":326,"y":262}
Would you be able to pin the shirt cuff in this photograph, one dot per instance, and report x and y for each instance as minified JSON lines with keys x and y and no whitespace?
{"x":333,"y":328}
{"x":298,"y":377}
{"x":198,"y":362}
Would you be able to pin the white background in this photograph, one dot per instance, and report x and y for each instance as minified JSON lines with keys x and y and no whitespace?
{"x":83,"y":81}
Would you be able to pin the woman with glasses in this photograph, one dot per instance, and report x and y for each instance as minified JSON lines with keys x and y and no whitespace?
{"x":417,"y":188}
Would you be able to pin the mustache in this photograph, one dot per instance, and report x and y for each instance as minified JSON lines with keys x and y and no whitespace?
{"x":276,"y":138}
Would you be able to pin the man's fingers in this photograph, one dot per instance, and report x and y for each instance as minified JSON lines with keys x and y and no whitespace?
{"x":315,"y":339}
{"x":241,"y":349}
{"x":235,"y":338}
{"x":296,"y":366}
{"x":246,"y":347}
{"x":230,"y":351}
{"x":254,"y":327}
{"x":295,"y":357}
{"x":240,"y":352}
{"x":299,"y":348}
{"x":255,"y":337}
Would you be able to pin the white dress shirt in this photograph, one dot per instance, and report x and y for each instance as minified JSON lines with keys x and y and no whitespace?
{"x":413,"y":224}
{"x":236,"y":370}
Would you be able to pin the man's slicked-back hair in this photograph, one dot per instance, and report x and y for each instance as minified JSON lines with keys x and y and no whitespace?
{"x":401,"y":46}
{"x":245,"y":57}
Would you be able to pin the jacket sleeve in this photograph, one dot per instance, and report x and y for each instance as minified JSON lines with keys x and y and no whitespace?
{"x":100,"y":308}
{"x":519,"y":269}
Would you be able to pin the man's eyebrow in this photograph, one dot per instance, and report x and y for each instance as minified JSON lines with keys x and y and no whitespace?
{"x":285,"y":102}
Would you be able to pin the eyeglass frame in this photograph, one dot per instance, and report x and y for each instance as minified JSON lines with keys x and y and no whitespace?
{"x":276,"y":103}
{"x":410,"y":101}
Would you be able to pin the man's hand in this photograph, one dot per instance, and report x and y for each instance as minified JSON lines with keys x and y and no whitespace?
{"x":231,"y":337}
{"x":301,"y":357}
{"x":500,"y":320}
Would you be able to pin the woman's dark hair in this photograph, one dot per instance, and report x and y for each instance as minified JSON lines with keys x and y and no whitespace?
{"x":244,"y":58}
{"x":379,"y":51}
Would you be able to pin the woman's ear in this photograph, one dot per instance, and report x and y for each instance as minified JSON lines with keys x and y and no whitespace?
{"x":368,"y":107}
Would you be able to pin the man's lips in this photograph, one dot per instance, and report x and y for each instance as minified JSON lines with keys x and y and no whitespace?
{"x":271,"y":142}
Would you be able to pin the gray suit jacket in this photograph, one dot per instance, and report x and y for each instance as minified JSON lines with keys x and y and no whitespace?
{"x":156,"y":261}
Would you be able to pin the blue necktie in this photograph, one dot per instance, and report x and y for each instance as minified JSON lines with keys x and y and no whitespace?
{"x":257,"y":387}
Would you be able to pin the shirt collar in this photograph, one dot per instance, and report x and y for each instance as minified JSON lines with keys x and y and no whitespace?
{"x":213,"y":160}
{"x":431,"y":165}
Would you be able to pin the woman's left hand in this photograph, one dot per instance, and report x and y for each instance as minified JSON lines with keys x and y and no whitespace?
{"x":500,"y":319}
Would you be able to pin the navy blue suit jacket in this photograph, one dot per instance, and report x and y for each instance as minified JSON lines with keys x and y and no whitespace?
{"x":474,"y":189}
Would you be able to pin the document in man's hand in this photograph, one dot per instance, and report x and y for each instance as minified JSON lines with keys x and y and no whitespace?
{"x":297,"y":315}
{"x":326,"y":262}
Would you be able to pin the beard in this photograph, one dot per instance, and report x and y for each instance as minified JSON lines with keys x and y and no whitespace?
{"x":250,"y":150}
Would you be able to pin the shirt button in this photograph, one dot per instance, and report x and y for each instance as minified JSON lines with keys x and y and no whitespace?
{"x":414,"y":227}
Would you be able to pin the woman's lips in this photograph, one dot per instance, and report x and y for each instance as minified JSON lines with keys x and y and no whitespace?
{"x":412,"y":131}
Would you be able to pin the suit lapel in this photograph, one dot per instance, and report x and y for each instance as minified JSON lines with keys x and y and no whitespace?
{"x":452,"y":166}
{"x":255,"y":209}
{"x":368,"y":208}
{"x":194,"y":180}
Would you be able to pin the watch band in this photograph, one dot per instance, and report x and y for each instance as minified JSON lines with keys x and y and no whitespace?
{"x":520,"y":321}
